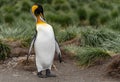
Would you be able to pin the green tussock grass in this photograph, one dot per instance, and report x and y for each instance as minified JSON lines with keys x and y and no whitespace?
{"x":114,"y":24}
{"x":77,"y":11}
{"x":4,"y":51}
{"x":20,"y":30}
{"x":104,"y":38}
{"x":112,"y":45}
{"x":87,"y":56}
{"x":66,"y":34}
{"x":95,"y":44}
{"x":95,"y":37}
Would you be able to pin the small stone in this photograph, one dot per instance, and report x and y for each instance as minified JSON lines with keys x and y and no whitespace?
{"x":34,"y":73}
{"x":16,"y":75}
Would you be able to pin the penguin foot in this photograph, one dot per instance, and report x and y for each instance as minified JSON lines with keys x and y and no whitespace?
{"x":39,"y":74}
{"x":48,"y":74}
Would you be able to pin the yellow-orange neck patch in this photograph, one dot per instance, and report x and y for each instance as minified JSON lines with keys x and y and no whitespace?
{"x":39,"y":21}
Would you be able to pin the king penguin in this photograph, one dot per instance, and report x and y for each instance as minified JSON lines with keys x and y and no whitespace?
{"x":45,"y":44}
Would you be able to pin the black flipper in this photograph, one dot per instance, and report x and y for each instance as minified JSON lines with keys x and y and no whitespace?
{"x":57,"y":49}
{"x":31,"y":45}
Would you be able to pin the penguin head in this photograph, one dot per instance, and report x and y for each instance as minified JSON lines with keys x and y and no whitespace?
{"x":37,"y":10}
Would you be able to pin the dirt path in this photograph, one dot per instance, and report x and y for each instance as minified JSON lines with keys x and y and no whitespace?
{"x":68,"y":72}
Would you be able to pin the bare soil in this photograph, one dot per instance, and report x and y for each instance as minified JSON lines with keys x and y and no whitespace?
{"x":11,"y":71}
{"x":113,"y":67}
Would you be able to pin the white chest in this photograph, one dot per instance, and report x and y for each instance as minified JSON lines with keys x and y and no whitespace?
{"x":45,"y":32}
{"x":45,"y":40}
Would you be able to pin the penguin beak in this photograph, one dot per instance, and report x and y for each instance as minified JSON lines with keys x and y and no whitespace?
{"x":41,"y":15}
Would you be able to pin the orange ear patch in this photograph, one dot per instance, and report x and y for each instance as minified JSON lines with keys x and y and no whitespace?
{"x":34,"y":7}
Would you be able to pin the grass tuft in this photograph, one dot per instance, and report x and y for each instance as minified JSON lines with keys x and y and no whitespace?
{"x":4,"y":51}
{"x":88,"y":56}
{"x":66,"y":34}
{"x":114,"y":24}
{"x":20,"y":30}
{"x":95,"y":38}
